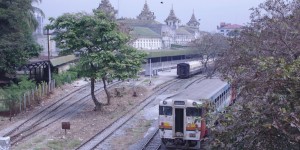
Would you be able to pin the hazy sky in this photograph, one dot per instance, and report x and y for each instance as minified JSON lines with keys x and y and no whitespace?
{"x":210,"y":12}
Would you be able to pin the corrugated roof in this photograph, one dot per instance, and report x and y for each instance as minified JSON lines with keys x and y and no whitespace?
{"x":144,"y":32}
{"x":62,"y":60}
{"x":137,"y":22}
{"x":164,"y":53}
{"x":182,"y":31}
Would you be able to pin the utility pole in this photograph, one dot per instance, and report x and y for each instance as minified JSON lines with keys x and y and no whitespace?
{"x":150,"y":72}
{"x":49,"y":64}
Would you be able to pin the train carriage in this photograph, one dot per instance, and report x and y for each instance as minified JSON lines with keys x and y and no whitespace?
{"x":187,"y":69}
{"x":181,"y":116}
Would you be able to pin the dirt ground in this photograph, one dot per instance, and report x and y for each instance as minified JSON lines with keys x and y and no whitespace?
{"x":85,"y":123}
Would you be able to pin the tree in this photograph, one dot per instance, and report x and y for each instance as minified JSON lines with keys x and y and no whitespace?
{"x":263,"y":62}
{"x":17,"y":23}
{"x":210,"y":45}
{"x":102,"y":48}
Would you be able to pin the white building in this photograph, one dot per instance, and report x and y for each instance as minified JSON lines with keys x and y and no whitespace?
{"x":42,"y":39}
{"x":146,"y":39}
{"x":149,"y":34}
{"x":228,"y":29}
{"x":182,"y":35}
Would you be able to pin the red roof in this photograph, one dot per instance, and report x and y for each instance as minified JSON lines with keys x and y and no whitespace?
{"x":231,"y":26}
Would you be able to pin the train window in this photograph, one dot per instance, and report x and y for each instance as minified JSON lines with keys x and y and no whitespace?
{"x":192,"y":111}
{"x":165,"y":110}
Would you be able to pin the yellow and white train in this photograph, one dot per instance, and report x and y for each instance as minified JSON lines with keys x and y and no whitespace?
{"x":182,"y":121}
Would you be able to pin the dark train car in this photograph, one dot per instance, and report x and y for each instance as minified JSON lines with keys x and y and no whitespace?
{"x":187,"y":69}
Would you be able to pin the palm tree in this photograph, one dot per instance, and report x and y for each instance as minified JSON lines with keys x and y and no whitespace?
{"x":31,"y":14}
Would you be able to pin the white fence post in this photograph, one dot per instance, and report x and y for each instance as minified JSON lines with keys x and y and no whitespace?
{"x":20,"y":104}
{"x":28,"y":97}
{"x":33,"y":94}
{"x":43,"y":88}
{"x":24,"y":97}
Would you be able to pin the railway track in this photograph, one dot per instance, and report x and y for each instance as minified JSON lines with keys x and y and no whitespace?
{"x":64,"y":107}
{"x":153,"y":142}
{"x":102,"y":135}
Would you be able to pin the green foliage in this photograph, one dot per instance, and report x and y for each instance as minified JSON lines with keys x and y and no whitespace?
{"x":65,"y":77}
{"x":210,"y":46}
{"x":102,"y":46}
{"x":17,"y":23}
{"x":12,"y":93}
{"x":100,"y":43}
{"x":264,"y":64}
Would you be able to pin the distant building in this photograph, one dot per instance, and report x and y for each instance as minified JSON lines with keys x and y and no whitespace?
{"x":228,"y":29}
{"x":172,"y":21}
{"x":149,"y":34}
{"x":183,"y":34}
{"x":42,"y":39}
{"x":40,"y":27}
{"x":146,"y":14}
{"x":145,"y":38}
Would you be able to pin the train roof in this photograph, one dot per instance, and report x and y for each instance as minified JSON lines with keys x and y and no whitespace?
{"x":193,"y":62}
{"x":205,"y":89}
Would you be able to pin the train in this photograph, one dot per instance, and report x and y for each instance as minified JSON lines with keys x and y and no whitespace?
{"x":182,"y":121}
{"x":188,"y":69}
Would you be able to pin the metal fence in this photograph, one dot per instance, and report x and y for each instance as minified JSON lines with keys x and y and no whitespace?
{"x":30,"y":97}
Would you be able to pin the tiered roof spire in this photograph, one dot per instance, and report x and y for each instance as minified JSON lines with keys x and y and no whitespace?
{"x":172,"y":17}
{"x":146,"y":14}
{"x":193,"y":21}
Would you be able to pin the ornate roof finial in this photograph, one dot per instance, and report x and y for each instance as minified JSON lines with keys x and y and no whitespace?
{"x":172,"y":17}
{"x":146,"y":14}
{"x":193,"y":21}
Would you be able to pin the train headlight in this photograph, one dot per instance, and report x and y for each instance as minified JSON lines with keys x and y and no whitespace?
{"x":194,"y":104}
{"x":164,"y":102}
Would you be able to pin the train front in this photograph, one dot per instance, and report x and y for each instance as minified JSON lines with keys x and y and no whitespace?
{"x":181,"y":124}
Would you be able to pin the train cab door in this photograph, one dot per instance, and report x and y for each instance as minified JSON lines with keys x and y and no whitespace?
{"x":179,"y":122}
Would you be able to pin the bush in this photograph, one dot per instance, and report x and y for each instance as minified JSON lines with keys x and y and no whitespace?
{"x":65,"y":77}
{"x":12,"y":93}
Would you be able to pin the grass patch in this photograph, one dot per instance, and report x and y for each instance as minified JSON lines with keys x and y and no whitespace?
{"x":63,"y":144}
{"x":58,"y":144}
{"x":55,"y":145}
{"x":36,"y":144}
{"x":148,"y":123}
{"x":146,"y":81}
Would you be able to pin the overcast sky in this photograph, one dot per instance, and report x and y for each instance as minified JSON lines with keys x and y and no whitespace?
{"x":210,"y":12}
